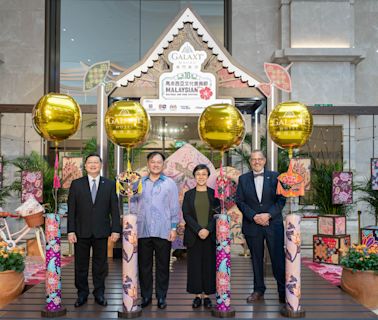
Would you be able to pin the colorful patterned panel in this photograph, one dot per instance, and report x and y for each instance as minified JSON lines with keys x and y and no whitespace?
{"x":31,"y":184}
{"x":327,"y":249}
{"x":302,"y":166}
{"x":232,"y":175}
{"x":374,"y":173}
{"x":72,"y":169}
{"x":369,"y":236}
{"x":332,"y":225}
{"x":325,"y":225}
{"x":342,"y":188}
{"x":340,"y":225}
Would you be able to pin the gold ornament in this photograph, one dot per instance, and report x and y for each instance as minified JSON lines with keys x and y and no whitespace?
{"x":127,"y":123}
{"x":221,"y":126}
{"x":56,"y":117}
{"x":290,"y":125}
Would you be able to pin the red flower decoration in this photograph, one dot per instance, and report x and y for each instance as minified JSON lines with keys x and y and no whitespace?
{"x":206,"y":93}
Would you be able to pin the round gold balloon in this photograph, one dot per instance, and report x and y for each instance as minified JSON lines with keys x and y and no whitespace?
{"x":56,"y":117}
{"x":221,"y":126}
{"x":290,"y":124}
{"x":127,"y":123}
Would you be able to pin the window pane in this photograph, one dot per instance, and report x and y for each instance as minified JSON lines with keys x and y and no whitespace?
{"x":121,"y":31}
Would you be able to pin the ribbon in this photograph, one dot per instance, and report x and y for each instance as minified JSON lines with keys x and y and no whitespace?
{"x":56,"y":183}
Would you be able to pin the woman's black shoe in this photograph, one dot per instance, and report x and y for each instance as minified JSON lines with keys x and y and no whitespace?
{"x":207,"y":303}
{"x":196,"y":302}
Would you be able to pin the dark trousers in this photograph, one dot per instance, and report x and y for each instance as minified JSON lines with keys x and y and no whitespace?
{"x":99,"y":265}
{"x":146,"y":249}
{"x":274,"y":236}
{"x":201,"y":267}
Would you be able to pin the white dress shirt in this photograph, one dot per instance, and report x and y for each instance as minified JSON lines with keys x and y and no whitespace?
{"x":259,"y":183}
{"x":90,"y":179}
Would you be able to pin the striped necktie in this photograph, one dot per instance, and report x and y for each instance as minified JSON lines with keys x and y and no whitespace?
{"x":94,"y":191}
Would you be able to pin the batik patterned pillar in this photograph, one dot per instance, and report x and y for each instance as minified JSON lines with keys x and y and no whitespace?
{"x":223,"y":268}
{"x":293,"y":267}
{"x":53,"y":284}
{"x":130,"y":308}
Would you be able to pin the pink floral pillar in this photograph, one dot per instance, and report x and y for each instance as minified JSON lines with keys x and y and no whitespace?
{"x":293,"y":308}
{"x":223,"y":268}
{"x":130,"y":308}
{"x":53,"y":284}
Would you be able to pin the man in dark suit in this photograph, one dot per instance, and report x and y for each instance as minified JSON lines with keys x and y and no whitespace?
{"x":93,"y":216}
{"x":262,"y":220}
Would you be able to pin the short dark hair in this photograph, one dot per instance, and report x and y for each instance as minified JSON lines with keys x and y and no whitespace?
{"x":93,"y":154}
{"x":154,"y":153}
{"x":260,"y":151}
{"x":201,"y":167}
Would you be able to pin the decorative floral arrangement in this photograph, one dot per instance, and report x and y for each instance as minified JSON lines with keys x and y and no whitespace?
{"x":11,"y":258}
{"x":359,"y":257}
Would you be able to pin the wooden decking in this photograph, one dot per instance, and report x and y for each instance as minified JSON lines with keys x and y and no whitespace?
{"x":319,"y":299}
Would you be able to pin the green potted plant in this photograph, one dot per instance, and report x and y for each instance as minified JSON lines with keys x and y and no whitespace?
{"x":12,"y":265}
{"x":370,"y":196}
{"x":35,"y":162}
{"x":360,"y":274}
{"x":331,"y":237}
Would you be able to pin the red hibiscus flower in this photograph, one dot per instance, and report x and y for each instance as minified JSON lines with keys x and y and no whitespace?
{"x":206,"y":93}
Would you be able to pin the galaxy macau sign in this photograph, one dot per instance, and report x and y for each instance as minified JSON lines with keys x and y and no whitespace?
{"x":186,"y":90}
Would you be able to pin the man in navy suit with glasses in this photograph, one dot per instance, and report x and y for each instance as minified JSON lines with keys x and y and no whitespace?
{"x":93,"y":216}
{"x":262,"y":221}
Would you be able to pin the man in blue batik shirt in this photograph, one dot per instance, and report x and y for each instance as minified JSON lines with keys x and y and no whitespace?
{"x":158,"y":214}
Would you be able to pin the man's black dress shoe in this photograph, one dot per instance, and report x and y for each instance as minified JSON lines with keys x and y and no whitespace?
{"x":282,"y":299}
{"x":197,"y":302}
{"x":145,"y":302}
{"x":161,"y":303}
{"x":207,"y":303}
{"x":80,"y":301}
{"x":101,"y":301}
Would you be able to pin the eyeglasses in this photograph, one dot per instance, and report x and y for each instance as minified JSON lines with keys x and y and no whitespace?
{"x":257,"y":160}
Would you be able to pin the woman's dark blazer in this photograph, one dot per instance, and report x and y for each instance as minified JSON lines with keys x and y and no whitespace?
{"x":190,"y":216}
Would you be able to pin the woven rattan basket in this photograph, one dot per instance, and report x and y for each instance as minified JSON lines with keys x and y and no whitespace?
{"x":35,"y":220}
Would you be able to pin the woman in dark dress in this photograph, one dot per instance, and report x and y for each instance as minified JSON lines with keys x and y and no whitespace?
{"x":198,"y":210}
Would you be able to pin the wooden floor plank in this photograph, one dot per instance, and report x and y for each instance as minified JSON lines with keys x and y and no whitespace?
{"x":320,"y":299}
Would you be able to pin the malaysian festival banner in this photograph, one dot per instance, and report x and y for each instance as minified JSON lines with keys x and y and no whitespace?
{"x":31,"y":184}
{"x":186,"y":89}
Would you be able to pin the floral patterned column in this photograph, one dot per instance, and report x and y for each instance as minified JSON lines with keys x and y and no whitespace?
{"x":293,"y":309}
{"x":130,"y":308}
{"x":223,"y":307}
{"x":53,"y":284}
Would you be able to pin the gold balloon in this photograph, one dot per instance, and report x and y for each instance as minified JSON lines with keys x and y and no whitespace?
{"x":56,"y":117}
{"x":290,"y":125}
{"x":127,"y":123}
{"x":221,"y":126}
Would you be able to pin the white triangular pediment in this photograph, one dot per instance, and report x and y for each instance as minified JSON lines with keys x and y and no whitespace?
{"x":187,"y":17}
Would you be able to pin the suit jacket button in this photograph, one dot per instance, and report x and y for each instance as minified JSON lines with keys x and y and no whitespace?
{"x":261,"y":205}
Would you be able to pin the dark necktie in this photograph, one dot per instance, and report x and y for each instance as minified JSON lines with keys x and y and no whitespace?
{"x":261,"y":174}
{"x":94,"y":191}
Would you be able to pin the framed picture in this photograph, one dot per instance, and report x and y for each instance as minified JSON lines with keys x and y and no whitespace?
{"x":302,"y":166}
{"x":72,"y":169}
{"x":32,"y":184}
{"x":374,"y":173}
{"x":342,"y":188}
